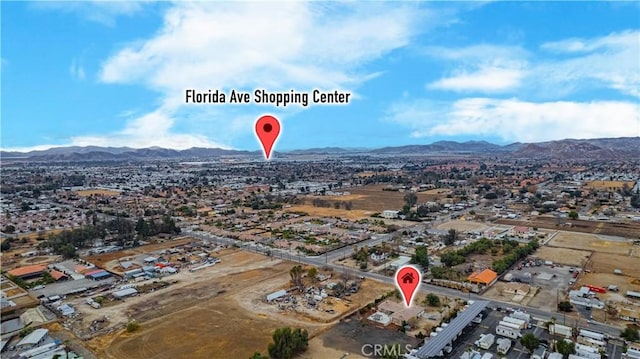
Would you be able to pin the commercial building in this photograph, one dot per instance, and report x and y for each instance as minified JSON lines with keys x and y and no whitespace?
{"x":32,"y":340}
{"x":27,"y":272}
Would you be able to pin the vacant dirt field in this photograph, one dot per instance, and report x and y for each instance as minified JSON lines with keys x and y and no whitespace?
{"x":627,"y":230}
{"x":609,"y":184}
{"x":99,"y":192}
{"x":565,"y":256}
{"x":606,"y":263}
{"x":373,"y":198}
{"x":590,"y":242}
{"x":330,"y":212}
{"x":624,"y":283}
{"x":463,"y":226}
{"x":219,"y":314}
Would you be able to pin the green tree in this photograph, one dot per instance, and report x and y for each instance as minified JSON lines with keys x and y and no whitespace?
{"x":630,"y":334}
{"x":9,"y":229}
{"x":6,"y":245}
{"x":421,"y":257}
{"x":432,"y":300}
{"x":410,"y":199}
{"x":565,"y":348}
{"x":450,"y":237}
{"x":287,"y":343}
{"x":530,"y":341}
{"x":132,"y":326}
{"x":312,"y":273}
{"x":296,"y":277}
{"x":257,"y":355}
{"x":573,"y":215}
{"x":564,"y":306}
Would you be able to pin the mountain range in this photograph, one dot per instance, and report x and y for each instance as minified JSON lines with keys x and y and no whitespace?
{"x":602,"y":148}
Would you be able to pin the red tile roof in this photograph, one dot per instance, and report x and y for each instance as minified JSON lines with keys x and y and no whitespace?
{"x":27,"y":270}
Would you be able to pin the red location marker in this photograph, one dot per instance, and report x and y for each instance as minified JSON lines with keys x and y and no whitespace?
{"x":267,"y":130}
{"x":408,"y":279}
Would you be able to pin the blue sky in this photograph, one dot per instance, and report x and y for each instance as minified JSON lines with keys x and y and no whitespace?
{"x":114,"y":73}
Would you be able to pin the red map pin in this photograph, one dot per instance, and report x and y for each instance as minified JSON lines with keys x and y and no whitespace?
{"x":408,"y":279}
{"x":267,"y":130}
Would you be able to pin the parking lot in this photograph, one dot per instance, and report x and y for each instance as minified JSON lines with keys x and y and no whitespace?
{"x":553,"y":281}
{"x":488,"y":325}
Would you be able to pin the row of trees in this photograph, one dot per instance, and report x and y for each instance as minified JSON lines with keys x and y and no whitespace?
{"x":502,"y":264}
{"x":121,"y":229}
{"x":152,"y":227}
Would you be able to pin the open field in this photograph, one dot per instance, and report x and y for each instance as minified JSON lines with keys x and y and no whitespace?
{"x":627,"y":230}
{"x":99,"y":192}
{"x":372,"y":198}
{"x":606,"y":263}
{"x":605,"y":185}
{"x":330,"y":212}
{"x":565,"y":256}
{"x":463,"y":226}
{"x":218,"y":312}
{"x":591,"y":242}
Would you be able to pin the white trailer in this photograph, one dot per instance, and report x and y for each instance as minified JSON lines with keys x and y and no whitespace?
{"x":504,"y":345}
{"x":521,"y":315}
{"x":593,"y":335}
{"x":587,"y":351}
{"x":519,"y":322}
{"x":486,"y":341}
{"x":560,"y":329}
{"x":509,"y":325}
{"x":508,"y":332}
{"x":487,"y":356}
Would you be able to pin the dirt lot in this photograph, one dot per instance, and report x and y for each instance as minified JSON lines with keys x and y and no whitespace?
{"x":606,"y":263}
{"x":627,"y":230}
{"x":373,"y":198}
{"x":217,"y":313}
{"x":566,"y":256}
{"x":330,"y":212}
{"x":464,"y":226}
{"x":609,"y":184}
{"x":350,"y":335}
{"x":100,"y":192}
{"x":591,"y":242}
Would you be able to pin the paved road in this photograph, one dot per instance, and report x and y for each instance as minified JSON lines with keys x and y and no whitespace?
{"x":327,"y":261}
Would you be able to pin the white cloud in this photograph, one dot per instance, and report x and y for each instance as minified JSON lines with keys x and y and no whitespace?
{"x":620,"y":41}
{"x":276,"y":46}
{"x":481,"y":68}
{"x":103,"y":12}
{"x":488,"y":79}
{"x":563,"y":67}
{"x":516,"y":120}
{"x":152,"y":129}
{"x":76,"y":70}
{"x":611,"y":61}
